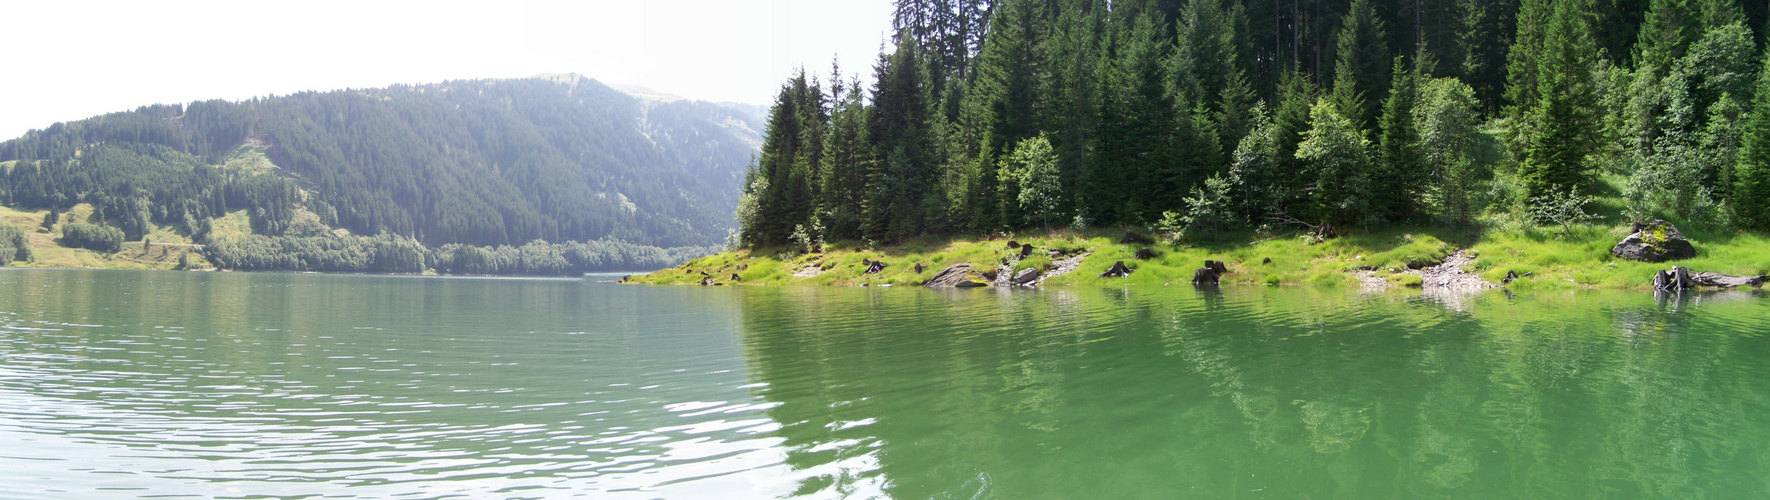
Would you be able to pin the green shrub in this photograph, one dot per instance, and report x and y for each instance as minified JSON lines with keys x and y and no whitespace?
{"x":97,"y":238}
{"x":14,"y":246}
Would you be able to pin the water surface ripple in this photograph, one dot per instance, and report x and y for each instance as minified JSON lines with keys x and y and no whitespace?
{"x":133,"y":385}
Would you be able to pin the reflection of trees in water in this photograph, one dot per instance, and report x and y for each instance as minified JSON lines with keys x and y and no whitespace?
{"x":1294,"y":392}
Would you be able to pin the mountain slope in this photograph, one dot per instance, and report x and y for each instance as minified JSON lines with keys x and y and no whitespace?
{"x":481,"y":162}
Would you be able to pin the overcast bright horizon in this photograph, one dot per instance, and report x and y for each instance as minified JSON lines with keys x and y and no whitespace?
{"x":73,"y":60}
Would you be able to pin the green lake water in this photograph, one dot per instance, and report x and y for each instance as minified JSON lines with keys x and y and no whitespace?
{"x":202,"y":385}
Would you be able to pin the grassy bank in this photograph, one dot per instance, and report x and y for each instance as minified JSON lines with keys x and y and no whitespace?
{"x":1578,"y":259}
{"x":48,"y":252}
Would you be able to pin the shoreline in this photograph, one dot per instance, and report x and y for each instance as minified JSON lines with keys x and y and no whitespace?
{"x":1536,"y":258}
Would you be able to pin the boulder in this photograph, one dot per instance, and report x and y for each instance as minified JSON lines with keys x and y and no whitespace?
{"x":1657,"y":241}
{"x":1135,"y":238}
{"x":1026,"y":276}
{"x":956,"y":276}
{"x":1144,"y":254}
{"x":1118,"y":270}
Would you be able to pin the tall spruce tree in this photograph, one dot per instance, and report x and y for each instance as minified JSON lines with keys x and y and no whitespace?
{"x":786,"y":166}
{"x":1401,"y":180}
{"x":898,"y":124}
{"x":1361,"y":73}
{"x":1565,"y":127}
{"x":1072,"y":65}
{"x":1751,"y":185}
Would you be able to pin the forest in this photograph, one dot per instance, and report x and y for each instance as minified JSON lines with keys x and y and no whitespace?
{"x":491,"y":164}
{"x":1205,"y":117}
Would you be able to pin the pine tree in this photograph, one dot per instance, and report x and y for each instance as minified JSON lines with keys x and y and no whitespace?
{"x":1479,"y":55}
{"x":1751,"y":185}
{"x":1401,"y":178}
{"x":1134,"y":138}
{"x":1360,"y":73}
{"x":848,"y":163}
{"x":1009,"y":72}
{"x":1522,"y":72}
{"x":1072,"y":71}
{"x":898,"y":124}
{"x":784,"y":198}
{"x":1669,"y":27}
{"x":1564,"y":128}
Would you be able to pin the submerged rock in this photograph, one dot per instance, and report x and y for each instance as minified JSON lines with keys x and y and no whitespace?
{"x":1657,"y":241}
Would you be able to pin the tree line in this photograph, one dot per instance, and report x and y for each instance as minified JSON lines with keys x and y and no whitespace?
{"x":388,"y":253}
{"x":1202,"y":116}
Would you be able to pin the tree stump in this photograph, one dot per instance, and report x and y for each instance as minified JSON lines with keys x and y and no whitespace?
{"x":1118,"y":270}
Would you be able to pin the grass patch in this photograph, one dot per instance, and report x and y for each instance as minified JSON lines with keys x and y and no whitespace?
{"x":1546,"y":258}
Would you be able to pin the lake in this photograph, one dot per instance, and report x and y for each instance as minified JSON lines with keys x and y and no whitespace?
{"x":121,"y":384}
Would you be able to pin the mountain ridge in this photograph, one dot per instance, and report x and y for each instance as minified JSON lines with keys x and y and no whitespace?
{"x":473,"y":162}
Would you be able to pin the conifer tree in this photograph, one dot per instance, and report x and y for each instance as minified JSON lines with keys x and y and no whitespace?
{"x":1361,"y":73}
{"x":1751,"y":186}
{"x":1669,"y":27}
{"x":1401,"y":178}
{"x":1564,"y":127}
{"x":899,"y":126}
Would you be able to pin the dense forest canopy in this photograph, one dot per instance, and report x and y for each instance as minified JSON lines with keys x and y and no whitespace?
{"x":487,"y":162}
{"x":1200,"y":116}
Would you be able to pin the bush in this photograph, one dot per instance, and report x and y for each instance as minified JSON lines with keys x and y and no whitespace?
{"x":14,"y":245}
{"x":97,"y":238}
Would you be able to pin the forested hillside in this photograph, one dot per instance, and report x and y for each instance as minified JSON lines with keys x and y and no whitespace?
{"x":1200,"y":117}
{"x":485,"y":163}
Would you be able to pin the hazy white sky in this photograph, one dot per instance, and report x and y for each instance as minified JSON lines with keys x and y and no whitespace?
{"x":68,"y":60}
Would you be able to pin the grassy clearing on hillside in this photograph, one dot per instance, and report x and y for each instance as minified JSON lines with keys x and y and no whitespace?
{"x":1578,"y":260}
{"x":167,"y":244}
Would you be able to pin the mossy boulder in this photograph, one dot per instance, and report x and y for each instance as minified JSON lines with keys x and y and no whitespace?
{"x":1657,"y":241}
